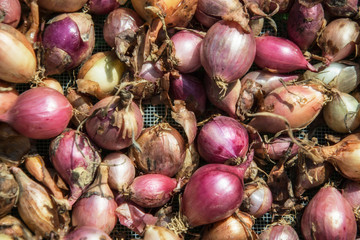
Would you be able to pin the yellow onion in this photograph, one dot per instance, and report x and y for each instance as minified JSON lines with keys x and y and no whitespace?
{"x":159,"y":233}
{"x":18,"y":61}
{"x":51,"y":83}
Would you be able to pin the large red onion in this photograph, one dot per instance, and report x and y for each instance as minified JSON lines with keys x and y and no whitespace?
{"x":328,"y":216}
{"x":10,"y":12}
{"x":232,"y":144}
{"x":187,"y":50}
{"x":39,"y":113}
{"x":304,"y":24}
{"x":76,"y":43}
{"x":227,"y":52}
{"x":101,"y":7}
{"x":115,"y":122}
{"x":344,"y":8}
{"x":87,"y":232}
{"x":96,"y":207}
{"x":257,"y":199}
{"x":75,"y":159}
{"x":280,"y":55}
{"x":214,"y":192}
{"x":8,"y":96}
{"x":279,"y":232}
{"x":191,"y":90}
{"x":120,"y":20}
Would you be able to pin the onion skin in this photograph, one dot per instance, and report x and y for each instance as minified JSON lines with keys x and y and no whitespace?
{"x":86,"y":232}
{"x":328,"y":216}
{"x":13,"y":227}
{"x":351,"y":192}
{"x":257,"y":199}
{"x":8,"y":96}
{"x":51,"y":83}
{"x":18,"y":61}
{"x":286,"y":102}
{"x":39,"y":113}
{"x":279,"y":232}
{"x":81,"y":103}
{"x":276,"y":149}
{"x":338,"y":39}
{"x":10,"y":10}
{"x":233,"y":144}
{"x":288,"y":55}
{"x":62,"y":5}
{"x":227,"y":52}
{"x":9,"y":190}
{"x":347,"y":8}
{"x":120,"y":20}
{"x":102,"y":7}
{"x":304,"y":24}
{"x":160,"y":233}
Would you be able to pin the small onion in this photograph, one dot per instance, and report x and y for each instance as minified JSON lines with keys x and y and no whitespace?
{"x":10,"y":12}
{"x":276,"y":148}
{"x":279,"y":232}
{"x":157,"y":233}
{"x":257,"y":199}
{"x":62,"y":5}
{"x":102,"y":7}
{"x":51,"y":83}
{"x":8,"y":96}
{"x":86,"y":232}
{"x":344,"y":8}
{"x":14,"y":228}
{"x":150,"y":72}
{"x":9,"y":190}
{"x":341,"y":114}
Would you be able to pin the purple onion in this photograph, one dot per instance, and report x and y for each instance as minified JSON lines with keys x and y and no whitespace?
{"x":232,"y":144}
{"x":191,"y":90}
{"x":279,"y":232}
{"x":344,"y":8}
{"x":68,"y":40}
{"x":304,"y":24}
{"x":86,"y":232}
{"x":102,"y":7}
{"x":351,"y":193}
{"x":257,"y":199}
{"x":149,"y":71}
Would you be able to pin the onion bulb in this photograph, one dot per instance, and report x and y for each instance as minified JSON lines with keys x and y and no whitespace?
{"x":9,"y":190}
{"x":62,"y":5}
{"x":159,"y":233}
{"x":8,"y":96}
{"x":10,"y":12}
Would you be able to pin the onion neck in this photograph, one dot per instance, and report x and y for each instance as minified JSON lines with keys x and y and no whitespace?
{"x":241,"y":168}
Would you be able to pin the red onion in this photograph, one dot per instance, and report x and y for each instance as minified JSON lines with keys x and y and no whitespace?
{"x":75,"y":159}
{"x":257,"y":199}
{"x":338,"y":39}
{"x":276,"y":148}
{"x":345,"y":8}
{"x":328,"y":216}
{"x":351,"y":193}
{"x":8,"y":96}
{"x":280,"y":55}
{"x":96,"y":207}
{"x":191,"y":90}
{"x":214,"y":192}
{"x":304,"y":24}
{"x":39,"y":113}
{"x":268,"y":81}
{"x":87,"y":232}
{"x":76,"y":43}
{"x":120,"y":20}
{"x":232,"y":144}
{"x":121,"y":170}
{"x":114,"y":122}
{"x":10,"y":12}
{"x":227,"y":52}
{"x":149,"y":71}
{"x":279,"y":232}
{"x":62,"y":5}
{"x":187,"y":50}
{"x":102,"y":7}
{"x":151,"y":190}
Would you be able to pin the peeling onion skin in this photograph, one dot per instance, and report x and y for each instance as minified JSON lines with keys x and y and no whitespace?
{"x":257,"y":199}
{"x":279,"y":232}
{"x":62,"y":5}
{"x":9,"y":190}
{"x":12,"y":11}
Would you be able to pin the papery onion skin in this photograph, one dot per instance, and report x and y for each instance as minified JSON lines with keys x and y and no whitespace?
{"x":187,"y":50}
{"x":82,"y":103}
{"x":62,"y":5}
{"x":284,"y":5}
{"x":18,"y":61}
{"x":304,"y":24}
{"x":101,"y":7}
{"x":39,"y":113}
{"x":150,"y":72}
{"x":157,"y":233}
{"x":257,"y":199}
{"x":86,"y":232}
{"x":279,"y":232}
{"x":328,"y":216}
{"x":120,"y":20}
{"x":13,"y":227}
{"x":227,"y":52}
{"x":9,"y":190}
{"x":8,"y":96}
{"x":347,"y":8}
{"x":338,"y":39}
{"x":276,"y":149}
{"x":10,"y":11}
{"x":279,"y":55}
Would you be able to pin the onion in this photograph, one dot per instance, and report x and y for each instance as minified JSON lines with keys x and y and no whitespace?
{"x":100,"y":74}
{"x":341,"y":114}
{"x":18,"y":61}
{"x":257,"y":198}
{"x":191,"y":90}
{"x":187,"y":50}
{"x":287,"y":58}
{"x":75,"y":159}
{"x":304,"y":24}
{"x":150,"y":72}
{"x":284,"y":5}
{"x":81,"y":104}
{"x":170,"y":154}
{"x":213,"y":193}
{"x":35,"y":206}
{"x":279,"y":232}
{"x":251,"y":172}
{"x":328,"y":216}
{"x":276,"y":149}
{"x":157,"y":232}
{"x":343,"y":77}
{"x":115,"y":122}
{"x":8,"y":96}
{"x":345,"y":8}
{"x":176,"y":12}
{"x":268,"y":81}
{"x":9,"y":190}
{"x":338,"y":39}
{"x":236,"y":227}
{"x":102,"y":7}
{"x":39,"y":113}
{"x":233,"y":144}
{"x":299,"y":104}
{"x":10,"y":12}
{"x":120,"y":20}
{"x":96,"y":207}
{"x":351,"y":192}
{"x":227,"y":52}
{"x":13,"y":227}
{"x":151,"y":190}
{"x":62,"y":5}
{"x":87,"y":232}
{"x":51,"y":83}
{"x":121,"y":170}
{"x":75,"y":45}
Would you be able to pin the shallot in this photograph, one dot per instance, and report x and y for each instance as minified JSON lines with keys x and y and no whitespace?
{"x":13,"y":227}
{"x":8,"y":96}
{"x":86,"y":232}
{"x":344,"y":8}
{"x":257,"y":198}
{"x":10,"y":12}
{"x":279,"y":232}
{"x":62,"y":5}
{"x":157,"y":232}
{"x":351,"y":193}
{"x":9,"y":190}
{"x":102,"y":7}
